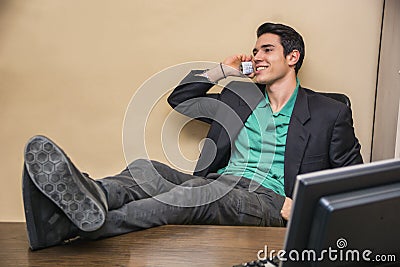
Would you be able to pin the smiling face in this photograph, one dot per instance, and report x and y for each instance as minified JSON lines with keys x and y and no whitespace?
{"x":270,"y":63}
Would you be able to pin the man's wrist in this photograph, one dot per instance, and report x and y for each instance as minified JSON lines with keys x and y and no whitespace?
{"x":215,"y":74}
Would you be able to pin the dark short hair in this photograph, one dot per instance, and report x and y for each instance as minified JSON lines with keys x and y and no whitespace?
{"x":290,"y":39}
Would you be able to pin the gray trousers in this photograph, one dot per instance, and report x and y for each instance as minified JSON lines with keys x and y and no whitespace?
{"x":148,"y":194}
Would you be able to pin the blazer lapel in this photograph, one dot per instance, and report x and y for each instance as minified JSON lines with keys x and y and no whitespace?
{"x":297,"y":139}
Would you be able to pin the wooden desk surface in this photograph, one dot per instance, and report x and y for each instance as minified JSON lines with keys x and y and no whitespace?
{"x":171,"y":245}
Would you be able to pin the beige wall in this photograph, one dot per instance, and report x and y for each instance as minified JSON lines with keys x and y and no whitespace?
{"x":69,"y":68}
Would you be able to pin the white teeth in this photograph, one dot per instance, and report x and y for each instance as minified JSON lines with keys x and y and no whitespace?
{"x":261,"y":68}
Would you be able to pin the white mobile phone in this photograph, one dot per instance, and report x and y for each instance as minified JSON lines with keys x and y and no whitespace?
{"x":247,"y":67}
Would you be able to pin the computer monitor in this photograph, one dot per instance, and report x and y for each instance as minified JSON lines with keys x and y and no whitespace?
{"x":345,"y":216}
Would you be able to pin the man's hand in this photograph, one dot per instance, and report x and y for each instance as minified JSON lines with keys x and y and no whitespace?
{"x":235,"y":60}
{"x":234,"y":63}
{"x":287,"y":207}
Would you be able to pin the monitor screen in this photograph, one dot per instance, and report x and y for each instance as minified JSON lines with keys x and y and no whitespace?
{"x":346,"y":216}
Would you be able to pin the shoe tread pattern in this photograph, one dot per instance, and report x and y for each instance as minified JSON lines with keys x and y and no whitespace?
{"x":49,"y":169}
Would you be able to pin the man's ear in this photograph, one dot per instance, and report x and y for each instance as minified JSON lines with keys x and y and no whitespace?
{"x":293,"y":57}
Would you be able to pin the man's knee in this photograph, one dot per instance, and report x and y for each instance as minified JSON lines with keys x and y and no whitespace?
{"x":146,"y":164}
{"x":139,"y":163}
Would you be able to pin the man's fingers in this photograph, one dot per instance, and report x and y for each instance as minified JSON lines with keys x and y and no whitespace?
{"x":287,"y":207}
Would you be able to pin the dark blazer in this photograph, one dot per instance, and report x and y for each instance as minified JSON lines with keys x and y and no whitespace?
{"x":320,"y":134}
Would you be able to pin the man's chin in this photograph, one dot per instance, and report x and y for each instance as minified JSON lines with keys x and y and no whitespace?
{"x":259,"y":80}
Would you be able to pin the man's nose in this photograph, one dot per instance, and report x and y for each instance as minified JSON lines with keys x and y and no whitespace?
{"x":257,"y":57}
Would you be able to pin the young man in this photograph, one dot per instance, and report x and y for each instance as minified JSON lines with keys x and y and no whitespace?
{"x":261,"y":136}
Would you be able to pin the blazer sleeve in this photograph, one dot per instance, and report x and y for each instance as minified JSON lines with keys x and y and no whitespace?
{"x":344,"y":147}
{"x":190,"y":97}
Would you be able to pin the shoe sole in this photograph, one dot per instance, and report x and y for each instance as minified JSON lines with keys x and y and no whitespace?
{"x":52,"y":174}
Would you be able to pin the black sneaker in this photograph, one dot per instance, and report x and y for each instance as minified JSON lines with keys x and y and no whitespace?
{"x":79,"y":197}
{"x":46,"y":224}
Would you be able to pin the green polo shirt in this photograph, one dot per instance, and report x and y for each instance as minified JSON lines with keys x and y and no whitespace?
{"x":259,"y":149}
